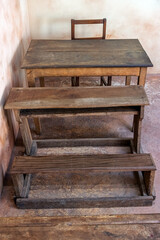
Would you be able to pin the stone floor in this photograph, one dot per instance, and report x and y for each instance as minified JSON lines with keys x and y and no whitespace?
{"x":109,"y":127}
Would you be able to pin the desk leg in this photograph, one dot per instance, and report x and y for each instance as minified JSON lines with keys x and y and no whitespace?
{"x":137,"y":128}
{"x":142,"y":76}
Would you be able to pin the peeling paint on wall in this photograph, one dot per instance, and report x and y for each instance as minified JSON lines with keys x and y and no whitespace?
{"x":125,"y":19}
{"x":14,"y":40}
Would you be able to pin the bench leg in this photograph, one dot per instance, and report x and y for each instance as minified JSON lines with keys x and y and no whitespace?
{"x":149,"y":181}
{"x":137,"y":123}
{"x":21,"y":184}
{"x":128,"y":80}
{"x":29,"y":144}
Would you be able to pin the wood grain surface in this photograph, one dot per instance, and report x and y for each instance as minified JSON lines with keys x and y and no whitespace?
{"x":107,"y":162}
{"x":95,"y":97}
{"x":86,"y":53}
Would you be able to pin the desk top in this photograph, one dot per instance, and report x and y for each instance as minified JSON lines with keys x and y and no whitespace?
{"x":88,"y":97}
{"x":85,"y":53}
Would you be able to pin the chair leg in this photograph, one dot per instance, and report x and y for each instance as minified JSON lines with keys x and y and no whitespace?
{"x":109,"y":81}
{"x":75,"y":81}
{"x":102,"y":81}
{"x":41,"y":82}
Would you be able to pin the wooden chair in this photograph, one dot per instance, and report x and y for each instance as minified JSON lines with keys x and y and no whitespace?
{"x":75,"y":81}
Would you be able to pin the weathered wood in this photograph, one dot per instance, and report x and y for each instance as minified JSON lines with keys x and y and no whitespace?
{"x":27,"y":203}
{"x":21,"y":184}
{"x":42,"y":82}
{"x":88,"y":21}
{"x":128,"y":80}
{"x":137,"y":129}
{"x":49,"y":143}
{"x":94,"y":227}
{"x":37,"y":124}
{"x":59,"y":222}
{"x":106,"y":162}
{"x":142,"y":77}
{"x":111,"y":53}
{"x":26,"y":135}
{"x":45,"y":113}
{"x":83,"y":97}
{"x":141,"y":183}
{"x":18,"y":181}
{"x":149,"y":181}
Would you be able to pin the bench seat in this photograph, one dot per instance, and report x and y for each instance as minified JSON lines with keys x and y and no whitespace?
{"x":106,"y":162}
{"x":74,"y":98}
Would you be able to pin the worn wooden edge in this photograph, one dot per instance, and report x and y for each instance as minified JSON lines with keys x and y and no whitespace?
{"x":59,"y":221}
{"x":15,"y":105}
{"x":31,"y":203}
{"x":62,"y":163}
{"x":45,"y":113}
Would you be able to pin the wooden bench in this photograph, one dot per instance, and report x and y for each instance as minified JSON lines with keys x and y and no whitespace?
{"x":47,"y":102}
{"x":24,"y":166}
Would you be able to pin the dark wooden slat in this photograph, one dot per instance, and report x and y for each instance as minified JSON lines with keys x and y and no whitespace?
{"x":88,"y":21}
{"x":94,"y":142}
{"x":27,"y":203}
{"x":45,"y":113}
{"x":83,"y":53}
{"x":107,"y":162}
{"x":95,"y":97}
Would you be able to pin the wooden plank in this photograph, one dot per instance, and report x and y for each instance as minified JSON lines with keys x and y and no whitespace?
{"x":28,"y":203}
{"x":106,"y":162}
{"x":81,"y":59}
{"x":94,"y":142}
{"x":67,"y":72}
{"x":59,"y":222}
{"x":45,"y":113}
{"x":95,"y":97}
{"x":18,"y":182}
{"x":84,"y":46}
{"x":114,"y":53}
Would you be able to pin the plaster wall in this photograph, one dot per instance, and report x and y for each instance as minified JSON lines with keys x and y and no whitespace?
{"x":14,"y":40}
{"x":125,"y":19}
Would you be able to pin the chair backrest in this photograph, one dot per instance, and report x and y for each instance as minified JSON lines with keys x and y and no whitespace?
{"x":88,"y":21}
